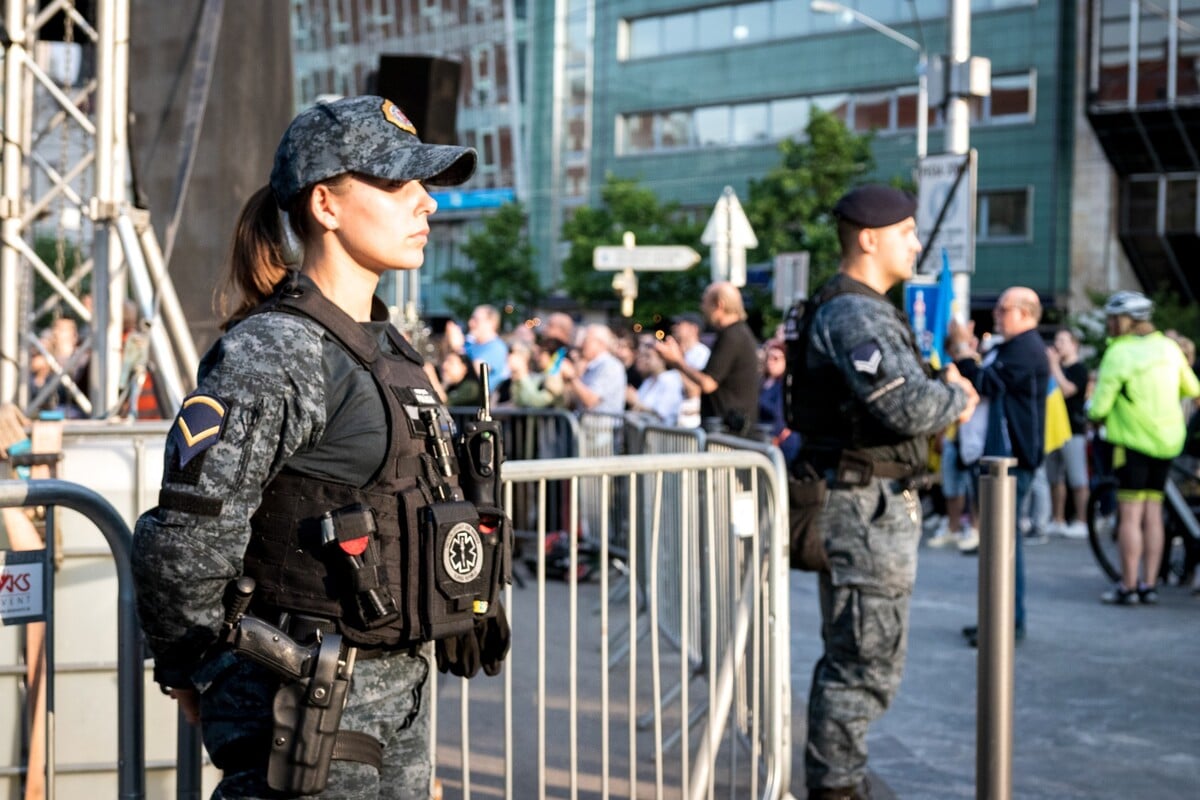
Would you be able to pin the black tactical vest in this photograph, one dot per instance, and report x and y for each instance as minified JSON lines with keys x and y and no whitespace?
{"x":398,"y":561}
{"x":818,"y":402}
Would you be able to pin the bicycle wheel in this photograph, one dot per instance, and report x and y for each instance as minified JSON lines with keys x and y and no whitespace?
{"x":1102,"y":527}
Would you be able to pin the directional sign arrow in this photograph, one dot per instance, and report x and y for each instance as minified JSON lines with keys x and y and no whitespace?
{"x":729,"y":234}
{"x":662,"y":258}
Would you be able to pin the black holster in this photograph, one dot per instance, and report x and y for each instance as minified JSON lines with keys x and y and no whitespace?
{"x":307,"y":714}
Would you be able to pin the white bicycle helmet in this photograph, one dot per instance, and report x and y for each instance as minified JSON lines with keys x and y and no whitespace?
{"x":1134,"y":305}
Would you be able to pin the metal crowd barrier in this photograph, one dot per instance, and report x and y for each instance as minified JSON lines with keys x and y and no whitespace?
{"x":582,"y":734}
{"x":129,"y":710}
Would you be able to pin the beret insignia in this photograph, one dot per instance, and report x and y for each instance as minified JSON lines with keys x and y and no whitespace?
{"x":866,"y":358}
{"x":198,"y":426}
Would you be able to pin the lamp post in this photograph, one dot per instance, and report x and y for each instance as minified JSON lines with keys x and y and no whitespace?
{"x":830,"y":7}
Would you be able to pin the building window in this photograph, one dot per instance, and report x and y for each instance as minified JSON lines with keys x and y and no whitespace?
{"x":1004,"y":215}
{"x":750,"y":123}
{"x":873,"y":112}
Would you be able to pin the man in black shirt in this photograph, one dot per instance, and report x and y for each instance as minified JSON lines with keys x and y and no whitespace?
{"x":729,"y":383}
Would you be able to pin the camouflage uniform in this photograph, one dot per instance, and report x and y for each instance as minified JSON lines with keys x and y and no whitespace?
{"x":290,"y":396}
{"x":871,"y":534}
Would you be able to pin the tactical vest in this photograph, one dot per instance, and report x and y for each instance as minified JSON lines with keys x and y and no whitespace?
{"x":399,"y":561}
{"x":821,"y":406}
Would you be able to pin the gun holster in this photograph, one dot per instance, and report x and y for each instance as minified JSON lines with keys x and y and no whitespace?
{"x":307,"y":714}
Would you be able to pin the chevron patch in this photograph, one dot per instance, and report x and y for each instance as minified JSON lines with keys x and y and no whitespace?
{"x":198,"y":426}
{"x":866,"y":358}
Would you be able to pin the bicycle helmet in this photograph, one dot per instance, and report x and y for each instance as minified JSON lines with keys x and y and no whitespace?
{"x":1134,"y":305}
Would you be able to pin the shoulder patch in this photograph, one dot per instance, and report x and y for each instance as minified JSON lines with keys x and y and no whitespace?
{"x":199,"y":425}
{"x":867,"y":357}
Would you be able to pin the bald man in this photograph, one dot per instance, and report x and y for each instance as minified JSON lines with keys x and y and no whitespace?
{"x":1018,"y":373}
{"x":729,"y":381}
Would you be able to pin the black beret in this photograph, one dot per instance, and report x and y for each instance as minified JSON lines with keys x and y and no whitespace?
{"x":875,"y":206}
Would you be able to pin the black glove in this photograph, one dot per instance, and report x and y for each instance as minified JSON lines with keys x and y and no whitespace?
{"x":459,"y":655}
{"x":485,"y":645}
{"x":494,"y":637}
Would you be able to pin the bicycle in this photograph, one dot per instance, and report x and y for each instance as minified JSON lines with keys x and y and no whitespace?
{"x":1181,"y":526}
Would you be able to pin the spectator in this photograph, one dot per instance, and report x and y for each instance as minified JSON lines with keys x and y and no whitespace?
{"x":1014,"y":377}
{"x":729,"y":381}
{"x":770,"y":400}
{"x":531,"y":383}
{"x":627,"y":353}
{"x":459,"y":381}
{"x":482,"y":344}
{"x":661,"y":391}
{"x":596,"y":379}
{"x":959,"y":468}
{"x":1142,"y":377}
{"x":686,"y":329}
{"x":1066,"y":467}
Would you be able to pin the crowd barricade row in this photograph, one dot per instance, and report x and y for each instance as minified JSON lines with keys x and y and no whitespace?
{"x":690,"y":563}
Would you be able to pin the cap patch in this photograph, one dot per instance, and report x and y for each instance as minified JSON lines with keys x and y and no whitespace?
{"x":198,"y":426}
{"x":393,"y":114}
{"x":866,"y":358}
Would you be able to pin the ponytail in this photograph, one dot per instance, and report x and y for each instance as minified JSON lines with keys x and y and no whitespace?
{"x":257,"y":260}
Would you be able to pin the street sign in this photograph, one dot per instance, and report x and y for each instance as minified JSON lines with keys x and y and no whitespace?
{"x":939,"y":187}
{"x":729,"y":234}
{"x":791,"y":279}
{"x":655,"y":258}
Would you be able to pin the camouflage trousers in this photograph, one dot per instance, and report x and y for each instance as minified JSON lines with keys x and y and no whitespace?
{"x":871,"y":536}
{"x":389,"y":699}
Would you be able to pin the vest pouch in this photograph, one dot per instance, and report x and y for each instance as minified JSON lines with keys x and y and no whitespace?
{"x":497,"y":533}
{"x":456,"y":568}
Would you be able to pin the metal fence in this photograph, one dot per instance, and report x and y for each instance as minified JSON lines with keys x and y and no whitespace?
{"x":605,"y":727}
{"x":693,"y":702}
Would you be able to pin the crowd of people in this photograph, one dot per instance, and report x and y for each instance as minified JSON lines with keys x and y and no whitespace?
{"x":680,"y":377}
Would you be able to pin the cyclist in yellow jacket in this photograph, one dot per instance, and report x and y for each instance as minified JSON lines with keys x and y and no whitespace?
{"x":1142,"y":377}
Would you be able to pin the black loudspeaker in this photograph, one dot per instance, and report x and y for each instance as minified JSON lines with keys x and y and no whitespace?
{"x":54,"y":30}
{"x":426,"y":89}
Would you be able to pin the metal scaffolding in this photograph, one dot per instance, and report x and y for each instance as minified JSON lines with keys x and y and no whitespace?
{"x":66,"y":178}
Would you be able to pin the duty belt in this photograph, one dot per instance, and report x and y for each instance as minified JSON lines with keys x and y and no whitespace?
{"x":851,"y":468}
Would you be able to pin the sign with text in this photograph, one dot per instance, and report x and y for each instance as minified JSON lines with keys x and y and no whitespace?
{"x":946,"y":192}
{"x":22,"y":578}
{"x":651,"y":258}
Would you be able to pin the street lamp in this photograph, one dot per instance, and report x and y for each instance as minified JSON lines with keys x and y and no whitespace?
{"x":830,"y":7}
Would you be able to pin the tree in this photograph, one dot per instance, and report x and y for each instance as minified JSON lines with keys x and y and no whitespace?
{"x":626,"y":205}
{"x":790,"y":207}
{"x":502,"y":270}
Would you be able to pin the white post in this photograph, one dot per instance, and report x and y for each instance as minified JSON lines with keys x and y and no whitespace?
{"x":958,"y":117}
{"x":10,"y":202}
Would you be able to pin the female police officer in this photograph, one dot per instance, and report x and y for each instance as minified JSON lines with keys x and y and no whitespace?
{"x":314,"y":458}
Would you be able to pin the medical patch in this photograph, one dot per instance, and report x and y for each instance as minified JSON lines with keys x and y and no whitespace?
{"x":866,"y":358}
{"x":198,"y":426}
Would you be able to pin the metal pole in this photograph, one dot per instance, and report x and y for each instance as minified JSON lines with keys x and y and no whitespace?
{"x":958,"y":112}
{"x":997,"y":576}
{"x":10,"y":201}
{"x":922,"y":106}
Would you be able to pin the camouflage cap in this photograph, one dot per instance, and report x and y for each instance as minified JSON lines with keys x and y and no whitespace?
{"x":368,"y":135}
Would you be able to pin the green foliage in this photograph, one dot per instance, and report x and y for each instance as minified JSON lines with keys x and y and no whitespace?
{"x":502,"y":270}
{"x":47,"y":249}
{"x":626,"y":205}
{"x":790,"y":207}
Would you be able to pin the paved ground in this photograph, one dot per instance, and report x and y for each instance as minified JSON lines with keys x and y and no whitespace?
{"x":1107,"y":700}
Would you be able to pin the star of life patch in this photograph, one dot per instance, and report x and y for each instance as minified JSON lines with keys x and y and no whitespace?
{"x":866,"y":358}
{"x":199,"y":425}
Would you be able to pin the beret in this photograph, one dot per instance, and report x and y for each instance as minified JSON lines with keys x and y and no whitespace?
{"x":875,"y":206}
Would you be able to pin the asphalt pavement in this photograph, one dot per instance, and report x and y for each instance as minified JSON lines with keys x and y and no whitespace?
{"x":1106,"y":699}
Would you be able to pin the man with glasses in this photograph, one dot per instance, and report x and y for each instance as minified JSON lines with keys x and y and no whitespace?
{"x":1015,"y":381}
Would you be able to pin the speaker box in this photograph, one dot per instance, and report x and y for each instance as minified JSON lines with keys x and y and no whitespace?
{"x":54,"y":30}
{"x":426,"y":89}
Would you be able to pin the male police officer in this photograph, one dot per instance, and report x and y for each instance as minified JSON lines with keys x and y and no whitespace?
{"x":865,"y":406}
